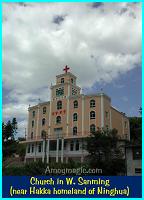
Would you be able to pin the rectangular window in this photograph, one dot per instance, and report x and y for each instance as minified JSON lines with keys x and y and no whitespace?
{"x":58,"y":132}
{"x":65,"y":145}
{"x":28,"y":150}
{"x":125,"y":124}
{"x":32,"y":148}
{"x":53,"y":145}
{"x":138,"y":170}
{"x":32,"y":123}
{"x":39,"y":147}
{"x":72,"y":146}
{"x":107,"y":114}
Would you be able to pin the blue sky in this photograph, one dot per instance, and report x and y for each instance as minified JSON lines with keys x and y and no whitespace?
{"x":125,"y":91}
{"x":100,"y":42}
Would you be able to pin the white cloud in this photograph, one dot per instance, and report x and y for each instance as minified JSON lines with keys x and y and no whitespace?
{"x":124,"y":98}
{"x":97,"y":43}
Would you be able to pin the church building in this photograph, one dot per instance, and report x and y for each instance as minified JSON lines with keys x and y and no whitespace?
{"x":57,"y":128}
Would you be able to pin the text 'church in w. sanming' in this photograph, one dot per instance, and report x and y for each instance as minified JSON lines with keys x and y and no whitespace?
{"x":57,"y":128}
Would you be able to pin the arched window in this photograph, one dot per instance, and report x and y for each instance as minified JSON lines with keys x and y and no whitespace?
{"x":92,"y":128}
{"x":92,"y":103}
{"x":44,"y":110}
{"x":62,"y":80}
{"x":77,"y":145}
{"x":75,"y":117}
{"x":32,"y":123}
{"x":92,"y":115}
{"x":43,"y":134}
{"x":75,"y":104}
{"x":43,"y":121}
{"x":31,"y":135}
{"x":33,"y":113}
{"x":71,"y":146}
{"x":59,"y":105}
{"x":58,"y":119}
{"x":75,"y":130}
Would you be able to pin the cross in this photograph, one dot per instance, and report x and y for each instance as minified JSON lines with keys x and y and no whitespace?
{"x":66,"y":69}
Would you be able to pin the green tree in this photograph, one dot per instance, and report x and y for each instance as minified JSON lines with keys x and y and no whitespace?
{"x":104,"y":151}
{"x":135,"y":130}
{"x":9,"y":131}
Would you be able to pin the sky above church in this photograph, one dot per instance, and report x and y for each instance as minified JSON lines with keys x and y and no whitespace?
{"x":100,"y":42}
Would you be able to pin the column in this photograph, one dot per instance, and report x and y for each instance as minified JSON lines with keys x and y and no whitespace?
{"x":123,"y":126}
{"x":48,"y":147}
{"x":43,"y":153}
{"x":82,"y":159}
{"x":62,"y":150}
{"x":57,"y":150}
{"x":110,"y":120}
{"x":37,"y":126}
{"x":68,"y":102}
{"x":26,"y":153}
{"x":49,"y":128}
{"x":35,"y":148}
{"x":82,"y":114}
{"x":102,"y":111}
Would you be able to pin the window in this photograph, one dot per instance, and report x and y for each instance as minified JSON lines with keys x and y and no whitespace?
{"x":92,"y":128}
{"x":74,"y":91}
{"x":138,"y":170}
{"x":125,"y":124}
{"x":72,"y":80}
{"x":75,"y":117}
{"x":58,"y":120}
{"x":92,"y":115}
{"x":32,"y":123}
{"x":59,"y":105}
{"x":43,"y":134}
{"x":60,"y":145}
{"x":43,"y":121}
{"x":62,"y":80}
{"x":75,"y":130}
{"x":39,"y":147}
{"x":75,"y":104}
{"x":44,"y":110}
{"x":106,"y":114}
{"x":77,"y":145}
{"x":28,"y":149}
{"x":32,"y":135}
{"x":60,"y":91}
{"x":92,"y":103}
{"x":32,"y":148}
{"x":65,"y":145}
{"x":53,"y":145}
{"x":71,"y":146}
{"x":33,"y":113}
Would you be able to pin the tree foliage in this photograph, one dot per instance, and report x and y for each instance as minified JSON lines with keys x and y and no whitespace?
{"x":135,"y":130}
{"x":104,"y":152}
{"x":9,"y":131}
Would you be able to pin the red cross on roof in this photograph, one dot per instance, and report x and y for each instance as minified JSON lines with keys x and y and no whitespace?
{"x":66,"y":69}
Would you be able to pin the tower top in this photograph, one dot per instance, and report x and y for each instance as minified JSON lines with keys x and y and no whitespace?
{"x":66,"y":69}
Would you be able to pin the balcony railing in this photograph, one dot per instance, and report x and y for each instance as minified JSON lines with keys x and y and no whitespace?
{"x":66,"y":136}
